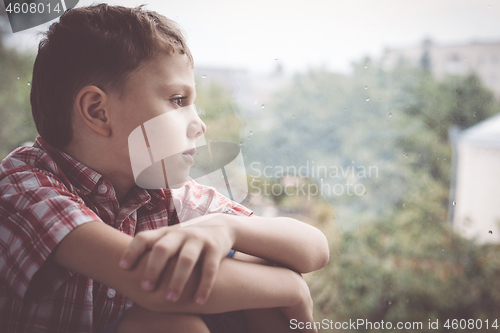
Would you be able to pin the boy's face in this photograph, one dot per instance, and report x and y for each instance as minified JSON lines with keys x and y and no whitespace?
{"x":161,"y":87}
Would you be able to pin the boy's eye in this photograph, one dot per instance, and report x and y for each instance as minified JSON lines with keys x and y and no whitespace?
{"x":178,"y":100}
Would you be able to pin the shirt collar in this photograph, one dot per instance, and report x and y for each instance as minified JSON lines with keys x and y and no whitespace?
{"x":85,"y":180}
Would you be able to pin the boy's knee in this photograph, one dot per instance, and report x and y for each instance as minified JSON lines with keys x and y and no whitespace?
{"x":140,"y":320}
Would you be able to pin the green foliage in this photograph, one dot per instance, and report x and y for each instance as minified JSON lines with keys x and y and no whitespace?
{"x":396,"y":258}
{"x":395,"y":121}
{"x":408,"y":270}
{"x":16,"y":122}
{"x":216,"y":109}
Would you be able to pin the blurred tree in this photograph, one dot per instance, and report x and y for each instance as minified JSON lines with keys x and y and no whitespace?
{"x":397,"y":258}
{"x":217,"y":110}
{"x":16,"y":123}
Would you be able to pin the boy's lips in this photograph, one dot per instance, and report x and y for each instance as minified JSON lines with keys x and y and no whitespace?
{"x":189,"y":152}
{"x":188,"y":155}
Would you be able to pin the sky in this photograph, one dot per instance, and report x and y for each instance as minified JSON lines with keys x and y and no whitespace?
{"x":255,"y":35}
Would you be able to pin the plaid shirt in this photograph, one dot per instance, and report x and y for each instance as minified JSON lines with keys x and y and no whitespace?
{"x":44,"y":194}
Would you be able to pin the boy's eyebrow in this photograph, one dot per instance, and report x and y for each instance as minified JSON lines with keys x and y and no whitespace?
{"x":168,"y":87}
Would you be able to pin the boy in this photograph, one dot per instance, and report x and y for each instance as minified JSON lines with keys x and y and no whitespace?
{"x":69,"y":206}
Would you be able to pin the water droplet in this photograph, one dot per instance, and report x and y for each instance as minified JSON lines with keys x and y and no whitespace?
{"x":474,"y":114}
{"x":368,"y":99}
{"x":379,"y":99}
{"x":366,"y":66}
{"x":248,"y":137}
{"x":454,"y":203}
{"x":262,"y":106}
{"x":276,"y":59}
{"x":490,"y":232}
{"x":293,"y":116}
{"x":404,"y":205}
{"x":390,"y":302}
{"x":443,"y":250}
{"x":405,"y":155}
{"x":204,"y":76}
{"x":366,"y":87}
{"x":251,"y":132}
{"x":390,"y":114}
{"x":18,"y":77}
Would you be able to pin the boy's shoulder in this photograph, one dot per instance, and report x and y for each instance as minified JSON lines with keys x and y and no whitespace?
{"x":31,"y":167}
{"x":38,"y":180}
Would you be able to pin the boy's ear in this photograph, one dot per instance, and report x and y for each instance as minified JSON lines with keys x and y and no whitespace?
{"x":92,"y":107}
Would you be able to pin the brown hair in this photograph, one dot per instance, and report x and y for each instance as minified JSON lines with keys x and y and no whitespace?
{"x":97,"y":45}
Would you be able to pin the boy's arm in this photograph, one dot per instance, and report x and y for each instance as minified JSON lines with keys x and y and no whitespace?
{"x":285,"y":241}
{"x":281,"y":240}
{"x":94,"y":249}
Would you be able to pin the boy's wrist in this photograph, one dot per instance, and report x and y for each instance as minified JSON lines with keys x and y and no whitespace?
{"x":233,"y":224}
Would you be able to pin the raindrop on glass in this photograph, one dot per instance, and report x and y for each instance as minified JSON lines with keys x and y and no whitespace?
{"x":366,"y":87}
{"x":204,"y":76}
{"x":262,"y":106}
{"x":406,"y":156}
{"x":251,"y":132}
{"x":293,"y":116}
{"x":29,"y":83}
{"x":18,"y":77}
{"x":474,"y":114}
{"x":454,"y":203}
{"x":490,"y":232}
{"x":390,"y":114}
{"x":390,"y":302}
{"x":368,"y":99}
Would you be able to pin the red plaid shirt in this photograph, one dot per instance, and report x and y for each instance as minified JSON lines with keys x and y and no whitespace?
{"x":44,"y":194}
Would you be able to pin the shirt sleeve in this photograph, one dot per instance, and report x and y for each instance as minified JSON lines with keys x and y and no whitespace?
{"x":194,"y":200}
{"x":36,"y":212}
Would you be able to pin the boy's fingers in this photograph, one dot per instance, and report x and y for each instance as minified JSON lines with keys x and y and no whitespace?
{"x":211,"y":263}
{"x":188,"y":257}
{"x":141,"y":242}
{"x":164,"y":249}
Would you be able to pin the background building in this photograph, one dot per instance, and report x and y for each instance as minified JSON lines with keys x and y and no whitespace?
{"x":477,"y":198}
{"x":482,"y":59}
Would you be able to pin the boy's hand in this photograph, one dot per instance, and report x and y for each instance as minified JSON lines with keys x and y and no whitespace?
{"x":207,"y":238}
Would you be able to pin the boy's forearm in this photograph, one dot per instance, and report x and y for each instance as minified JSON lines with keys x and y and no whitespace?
{"x":283,"y":240}
{"x":94,"y":250}
{"x":239,"y":286}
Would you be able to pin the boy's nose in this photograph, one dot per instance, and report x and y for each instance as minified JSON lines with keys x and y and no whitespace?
{"x":196,"y":128}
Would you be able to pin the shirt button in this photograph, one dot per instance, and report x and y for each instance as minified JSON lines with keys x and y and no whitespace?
{"x":102,"y":189}
{"x":111,"y":293}
{"x":129,"y":303}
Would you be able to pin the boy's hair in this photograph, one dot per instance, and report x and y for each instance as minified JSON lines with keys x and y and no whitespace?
{"x":98,"y":45}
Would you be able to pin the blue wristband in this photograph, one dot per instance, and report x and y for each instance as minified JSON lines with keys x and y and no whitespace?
{"x":230,"y":254}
